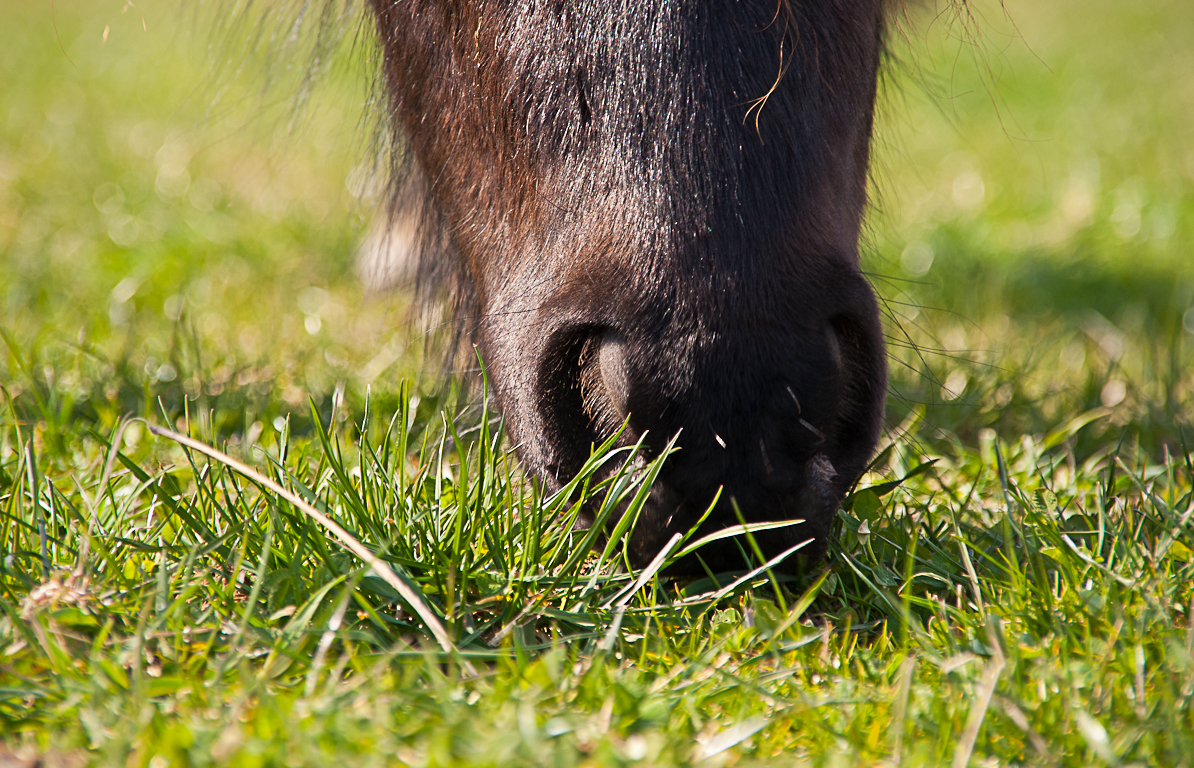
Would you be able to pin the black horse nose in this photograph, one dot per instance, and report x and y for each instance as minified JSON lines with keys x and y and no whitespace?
{"x":765,"y":435}
{"x":779,"y":420}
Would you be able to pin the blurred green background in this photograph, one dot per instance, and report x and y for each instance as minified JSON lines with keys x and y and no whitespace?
{"x":177,"y":225}
{"x":1035,"y":169}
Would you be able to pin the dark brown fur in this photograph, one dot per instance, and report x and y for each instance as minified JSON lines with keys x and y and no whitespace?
{"x":650,"y":210}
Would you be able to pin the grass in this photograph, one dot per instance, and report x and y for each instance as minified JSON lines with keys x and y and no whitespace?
{"x":1009,"y":585}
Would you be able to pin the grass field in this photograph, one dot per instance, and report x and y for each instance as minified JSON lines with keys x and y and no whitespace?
{"x":1010,"y":585}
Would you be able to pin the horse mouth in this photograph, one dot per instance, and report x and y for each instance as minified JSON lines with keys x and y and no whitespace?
{"x":802,"y":509}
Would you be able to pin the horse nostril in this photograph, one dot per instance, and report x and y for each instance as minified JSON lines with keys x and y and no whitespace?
{"x":604,"y":382}
{"x":584,"y":391}
{"x":835,"y":346}
{"x":857,"y":342}
{"x":611,"y":360}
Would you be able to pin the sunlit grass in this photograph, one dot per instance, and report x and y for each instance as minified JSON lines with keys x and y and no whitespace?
{"x":1009,"y":585}
{"x":210,"y":622}
{"x":1035,"y":217}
